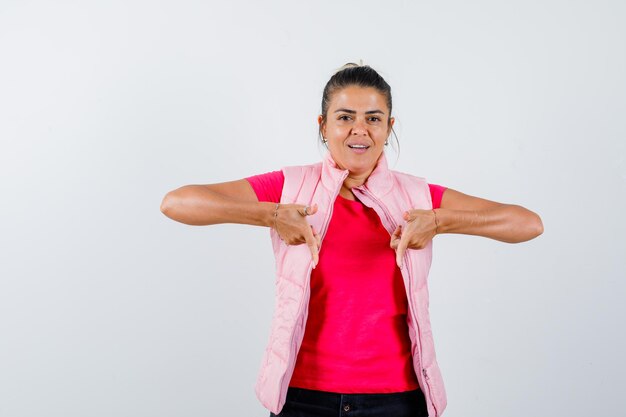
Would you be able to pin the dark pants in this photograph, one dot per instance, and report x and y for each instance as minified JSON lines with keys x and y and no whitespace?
{"x":309,"y":403}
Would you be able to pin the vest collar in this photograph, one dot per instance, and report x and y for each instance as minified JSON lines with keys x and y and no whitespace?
{"x":379,"y":182}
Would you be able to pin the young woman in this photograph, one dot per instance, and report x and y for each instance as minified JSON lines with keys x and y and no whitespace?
{"x":353,"y":240}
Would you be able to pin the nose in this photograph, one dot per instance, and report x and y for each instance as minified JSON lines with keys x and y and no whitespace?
{"x":359,"y":128}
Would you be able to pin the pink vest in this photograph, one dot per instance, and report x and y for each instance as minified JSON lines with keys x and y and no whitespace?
{"x":390,"y":194}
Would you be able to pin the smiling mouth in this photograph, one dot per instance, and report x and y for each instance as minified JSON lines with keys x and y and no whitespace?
{"x":358,"y":146}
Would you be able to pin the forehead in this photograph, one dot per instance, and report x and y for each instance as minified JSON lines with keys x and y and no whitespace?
{"x":358,"y":98}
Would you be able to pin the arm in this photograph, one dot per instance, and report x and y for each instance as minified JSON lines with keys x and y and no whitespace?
{"x":236,"y":202}
{"x":465,"y":214}
{"x":227,"y":202}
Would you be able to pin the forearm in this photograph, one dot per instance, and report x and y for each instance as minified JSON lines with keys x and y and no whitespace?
{"x":506,"y":223}
{"x":199,"y":206}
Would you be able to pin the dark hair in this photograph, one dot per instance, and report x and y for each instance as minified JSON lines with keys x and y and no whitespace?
{"x":359,"y":75}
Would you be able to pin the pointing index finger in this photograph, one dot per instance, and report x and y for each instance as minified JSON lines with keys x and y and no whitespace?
{"x":404,"y":241}
{"x":311,"y":242}
{"x":395,"y":237}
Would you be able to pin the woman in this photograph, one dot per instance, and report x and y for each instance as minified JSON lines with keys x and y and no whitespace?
{"x":353,"y":242}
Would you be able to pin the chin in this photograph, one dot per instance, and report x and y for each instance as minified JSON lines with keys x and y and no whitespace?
{"x":360,"y":168}
{"x":357,"y":165}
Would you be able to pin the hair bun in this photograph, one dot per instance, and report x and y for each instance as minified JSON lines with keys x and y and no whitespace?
{"x":350,"y":65}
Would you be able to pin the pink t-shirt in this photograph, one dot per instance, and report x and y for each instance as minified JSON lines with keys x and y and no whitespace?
{"x":356,"y":337}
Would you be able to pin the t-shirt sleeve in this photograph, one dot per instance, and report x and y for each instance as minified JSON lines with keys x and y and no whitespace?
{"x":436,"y":193}
{"x":269,"y":186}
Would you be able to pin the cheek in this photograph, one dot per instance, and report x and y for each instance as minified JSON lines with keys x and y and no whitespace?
{"x":337,"y":128}
{"x":336,"y":135}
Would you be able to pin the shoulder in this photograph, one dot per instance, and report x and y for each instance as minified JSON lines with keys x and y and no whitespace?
{"x":298,"y":174}
{"x":415,"y":179}
{"x":267,"y":186}
{"x":302,"y":169}
{"x":300,"y":180}
{"x":414,"y":182}
{"x":404,"y":177}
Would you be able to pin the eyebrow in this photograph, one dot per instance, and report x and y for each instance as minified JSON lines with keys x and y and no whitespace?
{"x":354,"y":112}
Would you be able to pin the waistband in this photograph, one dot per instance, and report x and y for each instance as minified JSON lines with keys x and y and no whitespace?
{"x":337,"y":401}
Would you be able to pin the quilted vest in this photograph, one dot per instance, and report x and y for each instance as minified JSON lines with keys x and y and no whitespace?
{"x":390,"y":194}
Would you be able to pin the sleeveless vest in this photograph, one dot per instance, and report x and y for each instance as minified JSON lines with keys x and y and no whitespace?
{"x":390,"y":194}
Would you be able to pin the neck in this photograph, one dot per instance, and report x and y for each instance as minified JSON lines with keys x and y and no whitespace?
{"x":351,"y":181}
{"x":354,"y":179}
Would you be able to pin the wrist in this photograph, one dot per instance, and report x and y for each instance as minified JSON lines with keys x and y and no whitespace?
{"x":443,"y":219}
{"x":436,"y":222}
{"x":268,"y":211}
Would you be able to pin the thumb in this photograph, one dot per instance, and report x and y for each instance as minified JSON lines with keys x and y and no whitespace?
{"x":409,"y":215}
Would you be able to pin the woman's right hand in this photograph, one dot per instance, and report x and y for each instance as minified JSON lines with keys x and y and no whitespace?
{"x":292,"y":227}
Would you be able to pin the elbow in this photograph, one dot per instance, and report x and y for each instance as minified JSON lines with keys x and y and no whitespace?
{"x":538,"y":226}
{"x":526,"y":226}
{"x":533,"y":226}
{"x":167,"y":204}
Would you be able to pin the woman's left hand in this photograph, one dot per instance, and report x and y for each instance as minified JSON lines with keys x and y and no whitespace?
{"x":419,"y":229}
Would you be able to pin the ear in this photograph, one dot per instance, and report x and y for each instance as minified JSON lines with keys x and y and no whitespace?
{"x":392,"y":120}
{"x":322,"y":125}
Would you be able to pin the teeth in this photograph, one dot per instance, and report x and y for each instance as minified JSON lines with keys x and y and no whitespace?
{"x":358,"y":146}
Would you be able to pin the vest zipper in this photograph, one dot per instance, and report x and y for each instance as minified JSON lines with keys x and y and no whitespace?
{"x":330,"y":211}
{"x":393,"y":225}
{"x":307,"y":289}
{"x":293,"y":355}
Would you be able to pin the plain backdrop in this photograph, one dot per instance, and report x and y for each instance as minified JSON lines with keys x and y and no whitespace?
{"x":109,"y":308}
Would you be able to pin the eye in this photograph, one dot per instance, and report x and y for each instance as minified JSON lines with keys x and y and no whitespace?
{"x":375,"y":119}
{"x":344,"y":117}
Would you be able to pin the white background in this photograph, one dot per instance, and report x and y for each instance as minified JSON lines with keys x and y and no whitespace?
{"x":108,"y":308}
